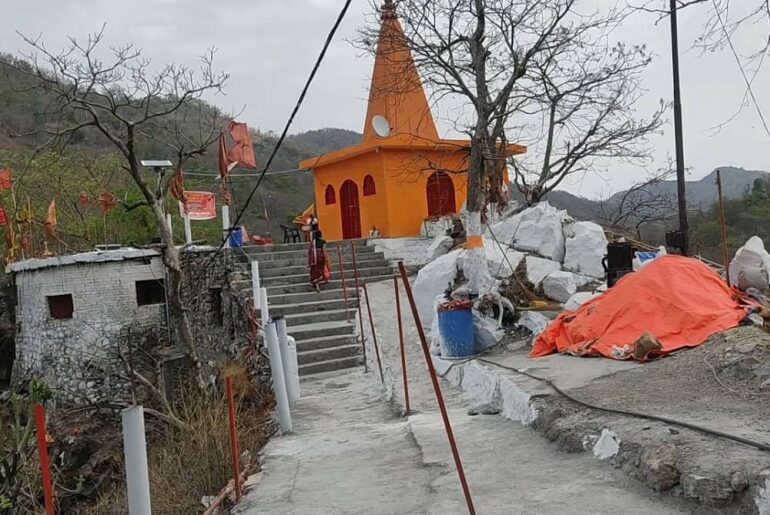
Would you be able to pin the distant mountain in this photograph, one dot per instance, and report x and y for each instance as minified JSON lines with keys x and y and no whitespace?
{"x":701,"y":194}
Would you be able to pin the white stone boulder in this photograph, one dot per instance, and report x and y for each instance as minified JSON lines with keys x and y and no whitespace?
{"x":539,"y":268}
{"x":538,"y":229}
{"x":440,"y":246}
{"x":432,"y":280}
{"x":502,"y":263}
{"x":585,"y":247}
{"x":559,"y":285}
{"x":533,"y":321}
{"x":578,"y":300}
{"x":750,"y":268}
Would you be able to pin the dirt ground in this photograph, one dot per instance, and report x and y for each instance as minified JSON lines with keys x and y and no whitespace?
{"x":723,"y":385}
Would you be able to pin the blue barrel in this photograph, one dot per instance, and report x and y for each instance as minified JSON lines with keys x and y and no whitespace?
{"x":236,"y":237}
{"x":456,"y":328}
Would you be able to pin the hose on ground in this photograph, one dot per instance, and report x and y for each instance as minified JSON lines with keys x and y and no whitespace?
{"x":629,"y":413}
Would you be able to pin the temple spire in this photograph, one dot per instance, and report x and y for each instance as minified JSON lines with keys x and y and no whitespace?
{"x":396,"y":93}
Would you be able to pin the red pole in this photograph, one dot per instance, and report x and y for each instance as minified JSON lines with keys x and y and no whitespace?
{"x":358,"y":298}
{"x":437,"y":390}
{"x":344,"y":286}
{"x":401,"y":344}
{"x":234,"y":453}
{"x":45,"y":468}
{"x":374,"y":334}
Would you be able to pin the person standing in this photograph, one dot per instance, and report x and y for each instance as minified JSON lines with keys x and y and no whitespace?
{"x":318,"y":261}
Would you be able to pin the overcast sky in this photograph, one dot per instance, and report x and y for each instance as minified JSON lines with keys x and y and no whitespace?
{"x":269,"y":46}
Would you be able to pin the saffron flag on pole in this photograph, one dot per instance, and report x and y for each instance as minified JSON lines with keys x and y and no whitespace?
{"x":49,"y":224}
{"x":242,"y":152}
{"x":3,"y":217}
{"x":107,"y":201}
{"x":5,"y":179}
{"x":223,"y":163}
{"x":177,"y":186}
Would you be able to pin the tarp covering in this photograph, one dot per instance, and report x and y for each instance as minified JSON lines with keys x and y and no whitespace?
{"x":679,"y":301}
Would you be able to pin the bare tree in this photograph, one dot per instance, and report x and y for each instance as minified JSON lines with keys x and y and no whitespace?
{"x":486,"y":54}
{"x":139,"y":112}
{"x":644,"y":204}
{"x":578,"y":104}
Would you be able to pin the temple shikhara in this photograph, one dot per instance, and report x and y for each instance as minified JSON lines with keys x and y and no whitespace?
{"x":402,"y":172}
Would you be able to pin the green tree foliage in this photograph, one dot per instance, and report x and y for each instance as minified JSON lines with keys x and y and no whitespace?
{"x":745,"y":217}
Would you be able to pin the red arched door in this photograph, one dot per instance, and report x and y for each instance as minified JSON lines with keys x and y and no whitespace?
{"x":349,"y":208}
{"x":441,"y":194}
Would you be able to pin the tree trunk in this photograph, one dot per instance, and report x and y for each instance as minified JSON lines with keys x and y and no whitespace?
{"x":476,"y":267}
{"x":173,"y":265}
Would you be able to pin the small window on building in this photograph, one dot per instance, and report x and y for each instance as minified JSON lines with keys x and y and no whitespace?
{"x":369,"y":188}
{"x":331,"y":198}
{"x":60,"y":306}
{"x":150,"y":292}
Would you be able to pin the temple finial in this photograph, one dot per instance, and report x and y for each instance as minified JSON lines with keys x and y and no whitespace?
{"x":388,"y":9}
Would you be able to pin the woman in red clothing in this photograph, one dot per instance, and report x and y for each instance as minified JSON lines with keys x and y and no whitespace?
{"x":318,"y":261}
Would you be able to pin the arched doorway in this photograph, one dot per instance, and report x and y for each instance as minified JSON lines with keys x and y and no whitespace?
{"x":441,"y":194}
{"x":349,"y":209}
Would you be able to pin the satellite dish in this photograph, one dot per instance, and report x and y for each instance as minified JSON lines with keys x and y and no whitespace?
{"x":381,"y":126}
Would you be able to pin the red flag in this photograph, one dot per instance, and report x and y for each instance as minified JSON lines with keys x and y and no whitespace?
{"x":84,"y":199}
{"x":107,"y":201}
{"x":49,"y":224}
{"x":5,"y":179}
{"x":3,"y":217}
{"x":177,"y":186}
{"x":223,"y":164}
{"x":242,"y":152}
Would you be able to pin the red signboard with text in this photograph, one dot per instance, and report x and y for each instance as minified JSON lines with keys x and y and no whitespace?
{"x":199,"y":205}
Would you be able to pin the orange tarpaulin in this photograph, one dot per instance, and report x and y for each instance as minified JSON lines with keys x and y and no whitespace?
{"x":680,"y":301}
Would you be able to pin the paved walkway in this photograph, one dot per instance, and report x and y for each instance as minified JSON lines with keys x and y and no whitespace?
{"x":351,"y":454}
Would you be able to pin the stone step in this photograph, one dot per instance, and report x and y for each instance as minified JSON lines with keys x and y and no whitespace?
{"x":309,"y":296}
{"x":332,"y":315}
{"x":300,"y":287}
{"x":288,"y":247}
{"x":325,"y":342}
{"x":329,"y":354}
{"x":330,"y":366}
{"x":303,"y":269}
{"x":310,"y":307}
{"x":299,"y":278}
{"x":347,"y":261}
{"x":302,"y":332}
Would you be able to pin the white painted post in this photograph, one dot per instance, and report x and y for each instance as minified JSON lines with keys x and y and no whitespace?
{"x":286,"y":360}
{"x":226,"y":225}
{"x":279,"y":381}
{"x":255,"y":290}
{"x":135,"y":451}
{"x":170,"y":226}
{"x":265,"y":313}
{"x":187,"y":230}
{"x":295,"y":367}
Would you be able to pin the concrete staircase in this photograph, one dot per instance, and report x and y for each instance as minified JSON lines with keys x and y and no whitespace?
{"x":317,"y":321}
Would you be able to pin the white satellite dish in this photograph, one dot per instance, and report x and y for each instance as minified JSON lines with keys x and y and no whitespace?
{"x":381,"y":126}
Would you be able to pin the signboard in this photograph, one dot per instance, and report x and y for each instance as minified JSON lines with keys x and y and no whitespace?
{"x":200,"y":205}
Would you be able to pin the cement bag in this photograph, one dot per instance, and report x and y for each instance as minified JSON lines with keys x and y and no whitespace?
{"x":487,"y":332}
{"x":750,"y":268}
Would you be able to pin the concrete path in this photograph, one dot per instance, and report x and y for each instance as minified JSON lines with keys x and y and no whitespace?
{"x":352,"y":454}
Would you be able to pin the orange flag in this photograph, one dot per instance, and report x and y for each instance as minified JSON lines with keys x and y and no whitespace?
{"x":242,"y":152}
{"x":5,"y":179}
{"x":49,"y":225}
{"x":107,"y":201}
{"x":224,"y":168}
{"x":3,"y":217}
{"x":177,"y":186}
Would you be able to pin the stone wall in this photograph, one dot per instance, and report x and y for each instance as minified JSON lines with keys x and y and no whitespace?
{"x":85,"y":358}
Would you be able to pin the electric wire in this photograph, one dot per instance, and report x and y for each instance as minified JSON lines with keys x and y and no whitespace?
{"x":294,"y":111}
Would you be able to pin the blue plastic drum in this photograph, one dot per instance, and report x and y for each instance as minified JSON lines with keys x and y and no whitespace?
{"x":236,"y":237}
{"x":456,"y":329}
